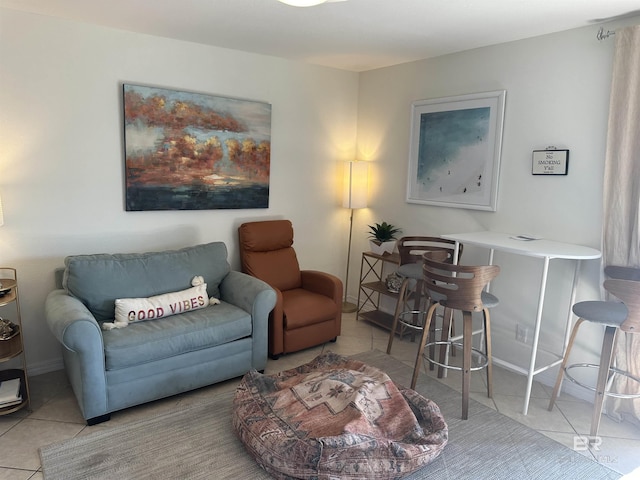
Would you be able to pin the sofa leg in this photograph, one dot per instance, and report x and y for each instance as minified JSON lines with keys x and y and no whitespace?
{"x":99,"y":419}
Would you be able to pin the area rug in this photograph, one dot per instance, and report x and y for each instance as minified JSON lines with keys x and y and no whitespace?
{"x":199,"y":443}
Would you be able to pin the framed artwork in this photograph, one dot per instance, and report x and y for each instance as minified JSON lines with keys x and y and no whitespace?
{"x":454,"y":158}
{"x":192,"y":151}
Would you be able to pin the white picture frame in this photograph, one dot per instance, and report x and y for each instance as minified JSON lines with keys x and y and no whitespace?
{"x":455,"y":151}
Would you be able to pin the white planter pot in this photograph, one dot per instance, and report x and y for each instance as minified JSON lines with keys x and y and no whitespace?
{"x":384,"y":248}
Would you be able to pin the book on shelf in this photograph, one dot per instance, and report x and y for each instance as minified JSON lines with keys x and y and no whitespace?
{"x":10,"y":392}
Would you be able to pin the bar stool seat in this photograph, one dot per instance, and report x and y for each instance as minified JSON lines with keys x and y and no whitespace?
{"x":604,"y":313}
{"x":489,"y":300}
{"x":615,"y":317}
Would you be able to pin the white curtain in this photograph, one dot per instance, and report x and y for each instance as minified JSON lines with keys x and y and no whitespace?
{"x":621,"y":223}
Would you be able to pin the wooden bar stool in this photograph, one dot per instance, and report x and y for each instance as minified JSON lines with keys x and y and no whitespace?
{"x":411,"y":250}
{"x":614,"y":316}
{"x":459,"y":287}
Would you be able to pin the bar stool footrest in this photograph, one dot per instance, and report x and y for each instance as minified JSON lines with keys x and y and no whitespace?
{"x":482,"y":364}
{"x":593,"y":389}
{"x":412,"y":325}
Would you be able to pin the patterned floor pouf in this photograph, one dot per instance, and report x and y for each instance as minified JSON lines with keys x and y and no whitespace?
{"x":336,"y":418}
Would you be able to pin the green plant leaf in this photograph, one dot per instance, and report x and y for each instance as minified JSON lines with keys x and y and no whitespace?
{"x":383,"y":232}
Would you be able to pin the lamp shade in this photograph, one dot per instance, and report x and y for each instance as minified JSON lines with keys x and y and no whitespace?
{"x":355,"y":185}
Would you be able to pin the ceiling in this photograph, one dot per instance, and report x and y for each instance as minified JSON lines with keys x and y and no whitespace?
{"x":355,"y":35}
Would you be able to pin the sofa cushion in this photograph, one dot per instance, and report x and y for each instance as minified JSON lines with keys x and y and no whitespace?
{"x":129,"y":310}
{"x":98,"y":280}
{"x":144,"y":342}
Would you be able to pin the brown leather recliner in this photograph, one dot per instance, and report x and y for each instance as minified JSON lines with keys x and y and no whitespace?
{"x":308,"y":307}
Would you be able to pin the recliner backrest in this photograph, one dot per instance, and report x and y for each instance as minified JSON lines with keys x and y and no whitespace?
{"x":266,"y":253}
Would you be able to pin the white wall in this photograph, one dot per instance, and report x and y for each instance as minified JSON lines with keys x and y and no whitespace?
{"x":61,"y":161}
{"x":557,"y":94}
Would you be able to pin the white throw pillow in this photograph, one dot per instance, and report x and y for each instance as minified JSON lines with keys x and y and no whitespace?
{"x":130,"y":310}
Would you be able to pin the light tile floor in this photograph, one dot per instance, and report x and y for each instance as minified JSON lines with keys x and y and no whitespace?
{"x":54,"y":414}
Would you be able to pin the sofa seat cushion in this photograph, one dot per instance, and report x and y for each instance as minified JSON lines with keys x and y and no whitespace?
{"x":303,"y":308}
{"x":144,"y":342}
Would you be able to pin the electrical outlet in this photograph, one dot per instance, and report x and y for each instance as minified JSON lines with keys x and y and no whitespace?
{"x":522,"y":334}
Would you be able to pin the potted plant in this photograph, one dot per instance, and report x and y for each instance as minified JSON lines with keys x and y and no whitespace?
{"x":382,"y":237}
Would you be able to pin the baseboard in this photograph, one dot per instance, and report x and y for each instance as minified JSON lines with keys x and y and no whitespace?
{"x":41,"y":368}
{"x":548,"y":379}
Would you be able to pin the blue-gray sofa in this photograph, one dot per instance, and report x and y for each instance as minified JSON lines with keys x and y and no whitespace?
{"x":110,"y":370}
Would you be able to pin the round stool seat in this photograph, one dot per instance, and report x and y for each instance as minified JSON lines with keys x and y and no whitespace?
{"x":336,"y":418}
{"x":488,"y":299}
{"x":411,"y":270}
{"x":625,"y":273}
{"x":604,"y":313}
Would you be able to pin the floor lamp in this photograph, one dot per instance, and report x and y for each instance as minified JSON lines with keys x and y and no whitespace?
{"x":354,"y":196}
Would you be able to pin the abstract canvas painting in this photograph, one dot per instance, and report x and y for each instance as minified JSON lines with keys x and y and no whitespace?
{"x":455,"y":151}
{"x":193,"y":151}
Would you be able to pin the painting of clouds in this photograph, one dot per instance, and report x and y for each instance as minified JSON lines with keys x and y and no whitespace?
{"x":453,"y":161}
{"x":191,"y":151}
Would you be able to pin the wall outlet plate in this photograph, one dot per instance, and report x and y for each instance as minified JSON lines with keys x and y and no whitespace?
{"x":522,"y":334}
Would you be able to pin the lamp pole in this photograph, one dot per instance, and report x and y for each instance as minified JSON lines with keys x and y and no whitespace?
{"x":348,"y":307}
{"x":355,"y":196}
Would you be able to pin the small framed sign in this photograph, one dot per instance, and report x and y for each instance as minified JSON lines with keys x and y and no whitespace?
{"x":550,"y":162}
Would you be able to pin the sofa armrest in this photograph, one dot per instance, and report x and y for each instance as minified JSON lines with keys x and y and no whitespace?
{"x":322,"y":283}
{"x":77,"y":330}
{"x":258,"y":299}
{"x":247,"y":292}
{"x":72,"y":323}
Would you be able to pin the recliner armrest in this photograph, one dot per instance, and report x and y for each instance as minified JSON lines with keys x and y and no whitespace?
{"x":322,"y":283}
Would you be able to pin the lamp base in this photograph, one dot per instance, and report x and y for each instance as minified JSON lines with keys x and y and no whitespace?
{"x":348,"y":307}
